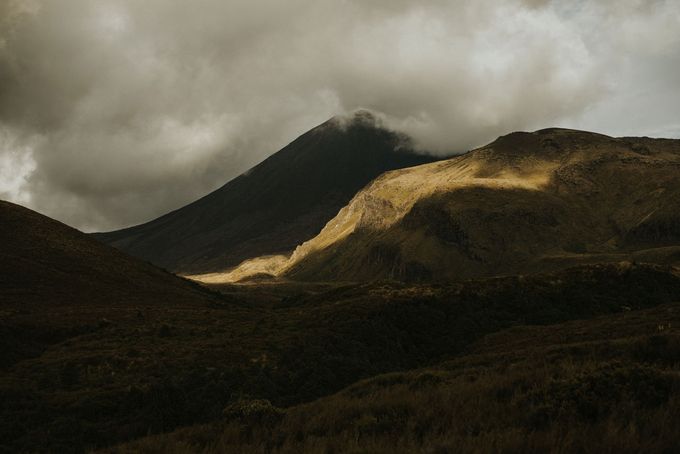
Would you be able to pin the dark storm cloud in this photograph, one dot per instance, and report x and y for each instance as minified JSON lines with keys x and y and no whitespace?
{"x":115,"y":111}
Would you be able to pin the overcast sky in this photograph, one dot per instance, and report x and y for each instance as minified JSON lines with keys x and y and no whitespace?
{"x":113,"y":112}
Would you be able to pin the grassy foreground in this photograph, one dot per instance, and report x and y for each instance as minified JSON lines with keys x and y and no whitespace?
{"x":472,"y":364}
{"x":611,"y":384}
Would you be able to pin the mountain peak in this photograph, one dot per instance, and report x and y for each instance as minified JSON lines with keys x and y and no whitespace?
{"x":362,"y":118}
{"x":546,"y":140}
{"x":284,"y":201}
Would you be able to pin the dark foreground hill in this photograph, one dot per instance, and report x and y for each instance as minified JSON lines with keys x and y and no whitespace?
{"x":51,"y":273}
{"x":45,"y":262}
{"x":275,"y":206}
{"x":525,"y":203}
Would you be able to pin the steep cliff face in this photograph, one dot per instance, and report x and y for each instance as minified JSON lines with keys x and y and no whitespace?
{"x":272,"y":208}
{"x":524,"y":203}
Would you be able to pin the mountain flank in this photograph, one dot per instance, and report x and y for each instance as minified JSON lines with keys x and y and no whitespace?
{"x":275,"y":206}
{"x":57,"y":282}
{"x":525,"y":203}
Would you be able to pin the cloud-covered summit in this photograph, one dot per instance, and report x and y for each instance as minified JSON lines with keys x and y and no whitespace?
{"x":115,"y":111}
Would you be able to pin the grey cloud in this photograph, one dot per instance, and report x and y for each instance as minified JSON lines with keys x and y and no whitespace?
{"x":113,"y":112}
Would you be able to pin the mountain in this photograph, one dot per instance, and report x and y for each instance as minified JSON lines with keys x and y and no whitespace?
{"x":45,"y":262}
{"x":275,"y":206}
{"x":57,"y":282}
{"x":524,"y":203}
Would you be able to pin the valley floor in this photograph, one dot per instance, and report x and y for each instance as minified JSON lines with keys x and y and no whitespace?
{"x":581,"y":360}
{"x":610,"y":384}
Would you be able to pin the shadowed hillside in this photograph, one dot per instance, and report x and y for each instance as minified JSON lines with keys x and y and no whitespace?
{"x":57,"y":282}
{"x":276,"y":205}
{"x":47,"y":264}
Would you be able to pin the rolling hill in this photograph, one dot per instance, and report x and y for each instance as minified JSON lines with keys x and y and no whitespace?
{"x":278,"y":204}
{"x":527,"y":202}
{"x":46,"y":263}
{"x":57,"y":282}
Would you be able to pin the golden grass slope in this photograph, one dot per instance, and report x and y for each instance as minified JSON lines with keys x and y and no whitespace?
{"x":524,"y":203}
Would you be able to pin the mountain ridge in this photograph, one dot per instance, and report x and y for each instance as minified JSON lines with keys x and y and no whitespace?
{"x":279,"y":203}
{"x":527,"y":201}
